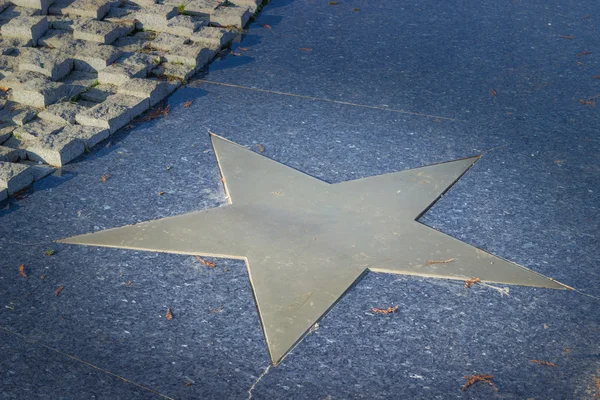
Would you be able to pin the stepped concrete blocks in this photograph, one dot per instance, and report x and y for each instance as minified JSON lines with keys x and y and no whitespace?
{"x":90,"y":135}
{"x":6,"y":130}
{"x":230,"y":17}
{"x":56,"y":149}
{"x":115,"y":112}
{"x":26,"y":28}
{"x":61,"y":113}
{"x":9,"y":155}
{"x":41,"y":5}
{"x":95,"y":9}
{"x":101,"y":31}
{"x":36,"y":130}
{"x":51,"y":63}
{"x":152,"y":89}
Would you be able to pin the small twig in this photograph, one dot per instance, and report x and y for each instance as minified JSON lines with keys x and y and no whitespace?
{"x":58,"y":290}
{"x":389,"y":310}
{"x":471,"y":282}
{"x":546,"y":363}
{"x":584,"y":53}
{"x":570,"y":37}
{"x":471,"y":379}
{"x":203,"y":261}
{"x":22,"y":271}
{"x":440,"y":261}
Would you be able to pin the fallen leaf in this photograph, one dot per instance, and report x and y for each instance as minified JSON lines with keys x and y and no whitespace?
{"x":305,"y":48}
{"x":243,"y":48}
{"x":476,"y":378}
{"x":169,"y":315}
{"x":58,"y":290}
{"x":596,"y":381}
{"x":42,"y":276}
{"x":168,"y":167}
{"x":493,"y":92}
{"x":440,"y":261}
{"x":22,"y":271}
{"x":333,"y":3}
{"x":188,"y":103}
{"x":128,"y":283}
{"x":570,"y":37}
{"x":104,"y":178}
{"x":584,"y":53}
{"x":588,"y":102}
{"x":157,"y":112}
{"x":49,"y":252}
{"x":389,"y":310}
{"x":203,"y":261}
{"x":233,"y":53}
{"x":188,"y":384}
{"x":356,"y":9}
{"x":266,"y":26}
{"x":546,"y":363}
{"x":161,"y":193}
{"x":471,"y":282}
{"x":260,"y":147}
{"x":216,"y":310}
{"x":596,"y":77}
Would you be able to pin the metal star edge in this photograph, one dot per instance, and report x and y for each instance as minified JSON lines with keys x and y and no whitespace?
{"x":306,"y":242}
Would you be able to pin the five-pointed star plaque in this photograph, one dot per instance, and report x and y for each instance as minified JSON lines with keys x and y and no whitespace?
{"x":306,"y":242}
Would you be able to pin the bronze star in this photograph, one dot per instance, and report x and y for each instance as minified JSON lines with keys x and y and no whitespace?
{"x":306,"y":242}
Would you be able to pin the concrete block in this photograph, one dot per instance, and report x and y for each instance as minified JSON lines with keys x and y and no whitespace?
{"x":41,"y":93}
{"x":101,"y":31}
{"x":59,"y":6}
{"x":202,"y":8}
{"x":30,"y":28}
{"x":8,"y":65}
{"x":36,"y":130}
{"x":176,"y":71}
{"x":166,"y":42}
{"x":14,"y":177}
{"x":90,"y":135}
{"x":18,"y":78}
{"x":61,"y":113}
{"x":154,"y":16}
{"x":93,"y":58}
{"x":41,"y":5}
{"x":95,"y":9}
{"x":131,"y":44}
{"x":17,"y":113}
{"x":230,"y":16}
{"x":213,"y":37}
{"x":6,"y":130}
{"x":118,"y":74}
{"x":11,"y":12}
{"x":153,"y":89}
{"x":113,"y":113}
{"x":192,"y":53}
{"x":184,"y":25}
{"x":49,"y":62}
{"x":9,"y":155}
{"x":99,"y":93}
{"x":12,"y":46}
{"x":56,"y":149}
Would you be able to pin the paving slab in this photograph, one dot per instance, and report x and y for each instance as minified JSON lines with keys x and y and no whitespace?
{"x":25,"y":27}
{"x":14,"y":177}
{"x":62,"y":113}
{"x":114,"y":112}
{"x":56,"y":149}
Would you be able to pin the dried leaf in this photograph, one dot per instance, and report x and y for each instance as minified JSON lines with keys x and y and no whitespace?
{"x":168,"y":167}
{"x":260,"y":147}
{"x":305,"y":48}
{"x":546,"y":363}
{"x":596,"y":77}
{"x":169,"y":315}
{"x":203,"y":261}
{"x":188,"y":103}
{"x":570,"y":37}
{"x":159,"y":111}
{"x":389,"y":310}
{"x":584,"y":53}
{"x":58,"y":290}
{"x":471,"y":282}
{"x":161,"y":193}
{"x":333,"y":3}
{"x":493,"y":92}
{"x":22,"y":271}
{"x":128,"y":283}
{"x":596,"y":381}
{"x":243,"y":48}
{"x":188,"y":384}
{"x":49,"y":252}
{"x":440,"y":261}
{"x":356,"y":9}
{"x":216,"y":310}
{"x":266,"y":26}
{"x":476,"y":378}
{"x":104,"y":178}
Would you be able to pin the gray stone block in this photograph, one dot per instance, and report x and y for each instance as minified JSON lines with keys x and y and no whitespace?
{"x":153,"y":89}
{"x":131,"y":44}
{"x":99,"y":93}
{"x":202,"y":8}
{"x":41,"y":93}
{"x":113,"y":113}
{"x":90,"y":135}
{"x":17,"y":113}
{"x":49,"y":62}
{"x":230,"y":17}
{"x":11,"y":12}
{"x":101,"y":31}
{"x":18,"y":78}
{"x":118,"y":74}
{"x":95,"y":9}
{"x":55,"y":39}
{"x":38,"y":171}
{"x":59,"y":6}
{"x":14,"y":177}
{"x":154,"y":16}
{"x":9,"y":155}
{"x":213,"y":37}
{"x":93,"y":58}
{"x":8,"y":65}
{"x":41,"y":5}
{"x":176,"y":71}
{"x":36,"y":130}
{"x":61,"y":113}
{"x":6,"y":130}
{"x":12,"y":46}
{"x":184,"y":25}
{"x":56,"y":149}
{"x":192,"y":53}
{"x":166,"y":42}
{"x":29,"y":28}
